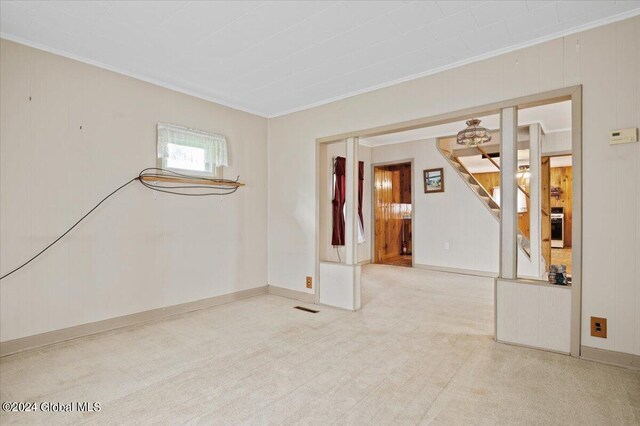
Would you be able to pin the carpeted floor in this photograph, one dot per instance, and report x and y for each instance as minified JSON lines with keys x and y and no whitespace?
{"x":420,"y":351}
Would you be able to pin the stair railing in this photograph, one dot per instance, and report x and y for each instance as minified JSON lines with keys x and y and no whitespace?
{"x":486,"y":155}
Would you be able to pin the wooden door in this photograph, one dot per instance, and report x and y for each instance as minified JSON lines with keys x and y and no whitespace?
{"x":392,"y":192}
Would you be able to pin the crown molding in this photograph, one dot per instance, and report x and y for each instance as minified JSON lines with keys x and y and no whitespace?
{"x":196,"y":94}
{"x":488,"y":55}
{"x":149,"y":80}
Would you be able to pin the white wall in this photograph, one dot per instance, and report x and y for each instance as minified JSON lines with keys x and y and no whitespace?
{"x":556,"y":143}
{"x":140,"y":250}
{"x":606,"y":61}
{"x":455,"y":217}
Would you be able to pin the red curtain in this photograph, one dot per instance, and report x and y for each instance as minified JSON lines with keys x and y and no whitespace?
{"x":339,"y":178}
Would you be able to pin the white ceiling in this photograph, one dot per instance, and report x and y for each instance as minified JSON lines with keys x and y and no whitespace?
{"x":554,"y":117}
{"x":275,"y":57}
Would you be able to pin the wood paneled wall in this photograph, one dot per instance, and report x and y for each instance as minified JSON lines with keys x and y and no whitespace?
{"x":562,"y":177}
{"x":488,"y":180}
{"x":492,"y":180}
{"x":392,"y":187}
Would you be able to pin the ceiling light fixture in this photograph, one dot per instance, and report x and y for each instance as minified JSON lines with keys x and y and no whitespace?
{"x":474,"y":134}
{"x":523,"y":174}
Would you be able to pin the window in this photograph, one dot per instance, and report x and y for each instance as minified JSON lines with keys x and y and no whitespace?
{"x":191,"y":151}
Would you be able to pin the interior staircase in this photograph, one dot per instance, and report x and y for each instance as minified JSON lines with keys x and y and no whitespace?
{"x":483,"y":195}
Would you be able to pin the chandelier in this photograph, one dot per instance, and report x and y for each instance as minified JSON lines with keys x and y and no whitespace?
{"x":523,"y":173}
{"x":474,"y":134}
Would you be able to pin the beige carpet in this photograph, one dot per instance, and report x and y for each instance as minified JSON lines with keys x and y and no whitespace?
{"x":420,"y":351}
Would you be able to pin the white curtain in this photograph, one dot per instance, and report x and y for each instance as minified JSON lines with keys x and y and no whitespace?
{"x":214,"y":145}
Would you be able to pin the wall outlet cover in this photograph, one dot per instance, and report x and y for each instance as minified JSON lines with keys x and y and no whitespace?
{"x":309,"y":282}
{"x":599,"y":327}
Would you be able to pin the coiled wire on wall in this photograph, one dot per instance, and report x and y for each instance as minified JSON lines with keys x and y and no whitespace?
{"x":190,"y":189}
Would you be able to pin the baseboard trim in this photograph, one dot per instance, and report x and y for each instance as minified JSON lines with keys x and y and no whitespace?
{"x":292,"y":294}
{"x":456,"y":270}
{"x":620,"y":359}
{"x":537,"y":348}
{"x":44,"y":339}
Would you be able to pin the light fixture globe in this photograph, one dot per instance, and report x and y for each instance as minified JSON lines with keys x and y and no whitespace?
{"x":474,"y":134}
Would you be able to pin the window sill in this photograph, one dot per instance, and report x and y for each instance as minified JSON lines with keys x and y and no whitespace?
{"x":212,"y":182}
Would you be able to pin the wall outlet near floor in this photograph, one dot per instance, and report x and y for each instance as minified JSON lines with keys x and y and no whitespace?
{"x":599,"y":327}
{"x":309,"y":282}
{"x":446,"y":246}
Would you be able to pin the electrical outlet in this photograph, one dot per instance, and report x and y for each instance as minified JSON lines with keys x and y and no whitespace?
{"x":446,"y":246}
{"x":599,"y":327}
{"x":309,"y":282}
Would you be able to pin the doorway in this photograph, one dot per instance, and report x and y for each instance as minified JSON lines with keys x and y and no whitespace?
{"x":393,"y":228}
{"x":560,"y":201}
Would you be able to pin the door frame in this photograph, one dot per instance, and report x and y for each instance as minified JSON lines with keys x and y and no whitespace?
{"x":372,"y":190}
{"x":573,"y":93}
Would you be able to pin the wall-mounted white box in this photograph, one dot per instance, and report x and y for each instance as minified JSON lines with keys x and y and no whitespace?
{"x":623,"y":136}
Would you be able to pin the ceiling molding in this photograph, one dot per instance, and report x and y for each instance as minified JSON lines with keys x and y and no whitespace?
{"x":97,"y":64}
{"x":196,"y":94}
{"x":539,"y":40}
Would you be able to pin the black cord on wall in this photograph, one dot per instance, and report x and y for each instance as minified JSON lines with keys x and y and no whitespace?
{"x":190,"y":190}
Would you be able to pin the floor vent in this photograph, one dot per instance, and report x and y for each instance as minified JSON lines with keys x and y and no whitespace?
{"x":302,"y":308}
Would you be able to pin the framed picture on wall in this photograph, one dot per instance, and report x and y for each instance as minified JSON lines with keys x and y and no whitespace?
{"x":433,"y":180}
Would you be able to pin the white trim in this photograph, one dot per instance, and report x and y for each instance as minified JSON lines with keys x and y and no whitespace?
{"x":478,"y":58}
{"x":536,"y":348}
{"x":472,"y":272}
{"x":508,"y":193}
{"x":568,"y":129}
{"x":291,"y":294}
{"x":369,"y":143}
{"x":577,"y":237}
{"x":620,"y":359}
{"x":57,"y":336}
{"x":351,"y":202}
{"x":149,"y":80}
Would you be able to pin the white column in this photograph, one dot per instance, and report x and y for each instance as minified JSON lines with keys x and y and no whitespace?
{"x":340,"y":282}
{"x":351,"y":216}
{"x":535,"y":202}
{"x":508,"y":194}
